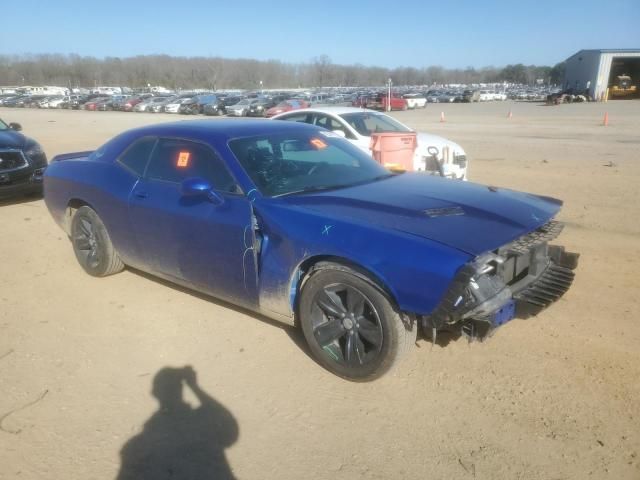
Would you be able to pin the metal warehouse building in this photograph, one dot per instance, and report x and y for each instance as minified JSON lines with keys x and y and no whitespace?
{"x":600,"y":70}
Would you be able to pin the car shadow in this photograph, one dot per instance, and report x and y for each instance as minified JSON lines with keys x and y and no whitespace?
{"x":443,"y":338}
{"x":293,"y":332}
{"x":180,"y":442}
{"x":20,"y":199}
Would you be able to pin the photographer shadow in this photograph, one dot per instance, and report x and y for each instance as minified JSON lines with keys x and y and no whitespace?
{"x":180,"y":441}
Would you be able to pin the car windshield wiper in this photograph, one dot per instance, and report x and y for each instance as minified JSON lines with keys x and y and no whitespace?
{"x":321,"y":188}
{"x":309,"y":189}
{"x":383,"y":176}
{"x":371,"y":180}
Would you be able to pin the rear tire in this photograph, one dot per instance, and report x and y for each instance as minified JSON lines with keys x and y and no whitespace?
{"x":92,"y":245}
{"x":352,"y":329}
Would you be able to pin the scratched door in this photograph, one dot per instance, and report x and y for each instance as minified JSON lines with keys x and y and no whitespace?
{"x":191,"y":238}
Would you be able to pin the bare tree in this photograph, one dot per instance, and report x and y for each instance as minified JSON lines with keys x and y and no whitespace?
{"x":218,"y":72}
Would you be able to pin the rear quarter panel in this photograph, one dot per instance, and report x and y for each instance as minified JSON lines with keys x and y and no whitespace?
{"x":104,"y":186}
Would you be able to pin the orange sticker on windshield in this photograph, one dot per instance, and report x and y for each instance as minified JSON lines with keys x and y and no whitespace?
{"x":183,"y":159}
{"x":319,"y":144}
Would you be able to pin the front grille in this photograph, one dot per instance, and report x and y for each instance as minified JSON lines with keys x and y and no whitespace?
{"x":460,"y":160}
{"x":549,"y":287}
{"x":12,"y":160}
{"x":545,"y":233}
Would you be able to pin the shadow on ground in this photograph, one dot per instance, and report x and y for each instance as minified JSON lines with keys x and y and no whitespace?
{"x":181,"y":442}
{"x":294,"y":333}
{"x":18,"y":199}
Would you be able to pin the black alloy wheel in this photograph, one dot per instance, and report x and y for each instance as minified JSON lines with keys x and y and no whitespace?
{"x":351,"y":327}
{"x":346,"y":325}
{"x":84,"y":239}
{"x":92,"y":245}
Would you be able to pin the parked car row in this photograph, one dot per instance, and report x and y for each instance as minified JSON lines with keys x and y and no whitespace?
{"x":378,"y":100}
{"x":258,"y":103}
{"x":215,"y":104}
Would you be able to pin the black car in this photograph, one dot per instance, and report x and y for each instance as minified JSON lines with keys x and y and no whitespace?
{"x":469,"y":96}
{"x":220,"y":107}
{"x":31,"y":101}
{"x":22,"y":162}
{"x":73,"y":101}
{"x":214,"y":108}
{"x":263,"y":104}
{"x":17,"y":101}
{"x":196,"y":104}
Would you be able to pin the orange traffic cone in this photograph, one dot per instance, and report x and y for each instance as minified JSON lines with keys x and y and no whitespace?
{"x":442,"y":120}
{"x":509,"y":115}
{"x":605,"y":122}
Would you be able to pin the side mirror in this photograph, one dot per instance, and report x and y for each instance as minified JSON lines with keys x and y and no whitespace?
{"x":15,"y":126}
{"x":340,"y":133}
{"x":199,"y":187}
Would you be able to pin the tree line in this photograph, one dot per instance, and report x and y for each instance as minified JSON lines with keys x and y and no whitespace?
{"x":226,"y":73}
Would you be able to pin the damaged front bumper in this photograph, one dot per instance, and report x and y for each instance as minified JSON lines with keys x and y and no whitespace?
{"x":516,"y":281}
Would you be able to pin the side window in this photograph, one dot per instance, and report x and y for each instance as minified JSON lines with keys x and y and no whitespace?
{"x":136,"y":156}
{"x":175,"y":160}
{"x":298,"y":117}
{"x":322,"y":121}
{"x":330,"y":123}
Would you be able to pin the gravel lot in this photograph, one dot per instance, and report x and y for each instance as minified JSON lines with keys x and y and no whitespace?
{"x":554,"y":397}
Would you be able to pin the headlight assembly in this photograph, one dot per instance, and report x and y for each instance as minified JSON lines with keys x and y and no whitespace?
{"x":34,"y":150}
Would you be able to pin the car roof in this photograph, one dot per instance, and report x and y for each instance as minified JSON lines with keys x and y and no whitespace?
{"x":335,"y":110}
{"x":222,"y":129}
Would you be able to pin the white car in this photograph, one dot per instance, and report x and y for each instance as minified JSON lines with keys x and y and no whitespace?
{"x":415,"y":100}
{"x":51,"y":102}
{"x":174,"y":106}
{"x":487,"y":96}
{"x":147,"y":105}
{"x":357,"y":125}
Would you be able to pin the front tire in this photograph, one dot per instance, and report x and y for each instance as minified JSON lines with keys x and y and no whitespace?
{"x":92,"y":245}
{"x":351,"y":327}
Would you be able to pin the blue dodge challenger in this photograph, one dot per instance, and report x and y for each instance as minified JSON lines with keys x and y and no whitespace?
{"x":294,"y":222}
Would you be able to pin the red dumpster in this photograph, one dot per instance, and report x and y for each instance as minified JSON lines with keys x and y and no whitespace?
{"x":394,"y":150}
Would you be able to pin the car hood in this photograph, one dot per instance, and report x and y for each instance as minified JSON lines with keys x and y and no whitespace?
{"x":12,"y":139}
{"x":470,"y":217}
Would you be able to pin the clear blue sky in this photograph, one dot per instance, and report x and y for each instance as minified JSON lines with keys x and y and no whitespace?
{"x":390,"y":34}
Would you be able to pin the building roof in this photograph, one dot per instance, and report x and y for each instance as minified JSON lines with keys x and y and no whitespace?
{"x":607,"y":50}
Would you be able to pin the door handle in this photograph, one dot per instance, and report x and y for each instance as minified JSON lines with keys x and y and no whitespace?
{"x":141,"y":194}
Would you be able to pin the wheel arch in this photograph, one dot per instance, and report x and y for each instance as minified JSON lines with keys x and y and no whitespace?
{"x":313,"y":264}
{"x":73,"y":205}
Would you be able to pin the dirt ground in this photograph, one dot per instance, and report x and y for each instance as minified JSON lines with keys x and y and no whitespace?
{"x":554,"y":397}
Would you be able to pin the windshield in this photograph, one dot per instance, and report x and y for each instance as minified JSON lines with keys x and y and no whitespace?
{"x":298,"y":162}
{"x":366,"y":123}
{"x":3,"y":126}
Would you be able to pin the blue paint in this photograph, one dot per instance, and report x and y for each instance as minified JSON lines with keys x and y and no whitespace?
{"x":505,"y":313}
{"x":204,"y":246}
{"x":326,"y":228}
{"x":252,"y":191}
